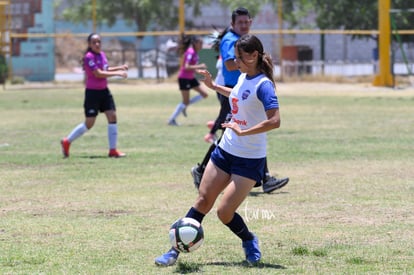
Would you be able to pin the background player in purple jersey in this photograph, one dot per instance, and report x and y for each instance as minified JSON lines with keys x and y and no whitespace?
{"x":189,"y":47}
{"x":98,"y":98}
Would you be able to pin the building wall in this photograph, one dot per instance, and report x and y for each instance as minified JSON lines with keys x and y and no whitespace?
{"x":33,"y":58}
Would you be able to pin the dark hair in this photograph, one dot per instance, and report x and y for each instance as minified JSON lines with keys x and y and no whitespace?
{"x":186,"y":41}
{"x":217,"y":38}
{"x":238,"y":12}
{"x":249,"y":44}
{"x":88,"y":49}
{"x":89,"y":39}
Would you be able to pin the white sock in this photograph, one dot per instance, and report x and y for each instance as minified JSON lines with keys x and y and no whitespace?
{"x":77,"y":132}
{"x":112,"y":135}
{"x":180,"y":107}
{"x":195,"y":99}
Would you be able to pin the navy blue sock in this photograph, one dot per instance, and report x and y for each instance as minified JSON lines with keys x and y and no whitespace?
{"x":193,"y":213}
{"x":239,"y":227}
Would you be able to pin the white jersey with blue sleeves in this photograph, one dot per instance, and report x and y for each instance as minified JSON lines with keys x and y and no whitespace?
{"x":249,"y":101}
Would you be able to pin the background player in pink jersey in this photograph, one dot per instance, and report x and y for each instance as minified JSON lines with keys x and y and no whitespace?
{"x":98,"y":97}
{"x":189,"y":47}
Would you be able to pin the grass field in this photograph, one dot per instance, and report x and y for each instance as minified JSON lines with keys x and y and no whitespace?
{"x":348,"y":209}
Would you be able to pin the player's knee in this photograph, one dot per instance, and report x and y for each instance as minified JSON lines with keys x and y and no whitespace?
{"x":203,"y":203}
{"x":89,"y":124}
{"x":224,"y":216}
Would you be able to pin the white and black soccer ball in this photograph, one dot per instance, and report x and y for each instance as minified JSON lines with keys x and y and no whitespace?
{"x":186,"y":235}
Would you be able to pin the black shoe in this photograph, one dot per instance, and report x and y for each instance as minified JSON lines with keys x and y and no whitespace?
{"x":271,"y":184}
{"x":196,"y":176}
{"x":258,"y":184}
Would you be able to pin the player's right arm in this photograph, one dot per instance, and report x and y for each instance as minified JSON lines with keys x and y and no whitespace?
{"x":231,"y":65}
{"x":212,"y":85}
{"x":105,"y":74}
{"x":227,"y":53}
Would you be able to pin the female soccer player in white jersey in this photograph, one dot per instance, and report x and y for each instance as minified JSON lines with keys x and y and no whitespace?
{"x":238,"y":161}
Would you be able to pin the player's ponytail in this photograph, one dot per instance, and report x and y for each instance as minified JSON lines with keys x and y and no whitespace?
{"x":266,"y":65}
{"x":217,"y":37}
{"x":184,"y":43}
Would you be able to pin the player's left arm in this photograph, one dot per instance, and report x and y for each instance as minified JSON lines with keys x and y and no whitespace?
{"x":272,"y":122}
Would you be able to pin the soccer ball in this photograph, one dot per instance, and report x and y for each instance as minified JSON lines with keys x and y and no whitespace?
{"x":186,"y":235}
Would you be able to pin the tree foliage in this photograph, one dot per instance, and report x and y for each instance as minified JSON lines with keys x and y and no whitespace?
{"x":143,"y":14}
{"x":295,"y":12}
{"x":252,"y":6}
{"x":163,"y":14}
{"x":348,"y":15}
{"x":345,"y":14}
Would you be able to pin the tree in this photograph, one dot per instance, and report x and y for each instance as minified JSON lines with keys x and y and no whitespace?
{"x":295,"y":11}
{"x":3,"y":69}
{"x":142,"y":13}
{"x":252,"y":6}
{"x":346,"y":14}
{"x":403,"y":19}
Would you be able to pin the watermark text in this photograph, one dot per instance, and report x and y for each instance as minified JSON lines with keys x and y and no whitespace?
{"x":257,"y":214}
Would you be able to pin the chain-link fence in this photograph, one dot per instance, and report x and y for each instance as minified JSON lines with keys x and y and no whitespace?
{"x":44,"y":48}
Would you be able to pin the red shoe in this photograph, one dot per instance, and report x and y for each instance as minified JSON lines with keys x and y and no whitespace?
{"x":113,"y":153}
{"x":65,"y":147}
{"x":210,"y":124}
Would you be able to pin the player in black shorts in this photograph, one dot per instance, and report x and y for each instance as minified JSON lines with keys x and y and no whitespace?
{"x":98,"y":98}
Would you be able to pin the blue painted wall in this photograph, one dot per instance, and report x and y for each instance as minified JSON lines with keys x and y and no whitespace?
{"x":37,"y":55}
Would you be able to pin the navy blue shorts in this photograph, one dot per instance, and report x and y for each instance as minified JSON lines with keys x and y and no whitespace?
{"x":187,"y":84}
{"x":245,"y":167}
{"x":98,"y":101}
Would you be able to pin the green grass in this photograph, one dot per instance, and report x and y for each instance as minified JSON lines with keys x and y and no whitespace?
{"x":348,"y":209}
